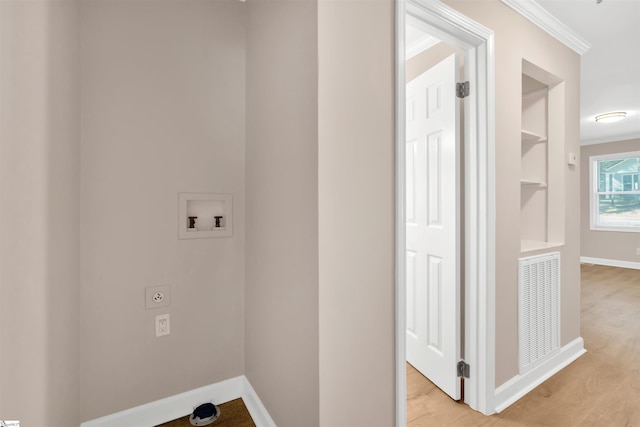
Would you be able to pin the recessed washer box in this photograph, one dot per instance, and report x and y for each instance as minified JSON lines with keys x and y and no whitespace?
{"x":205,"y":215}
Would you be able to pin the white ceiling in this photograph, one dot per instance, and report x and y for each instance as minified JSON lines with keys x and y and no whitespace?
{"x":610,"y":68}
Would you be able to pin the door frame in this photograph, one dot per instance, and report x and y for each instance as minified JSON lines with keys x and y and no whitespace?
{"x":451,"y":26}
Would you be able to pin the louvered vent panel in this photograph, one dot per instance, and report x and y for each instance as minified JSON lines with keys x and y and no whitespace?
{"x":539,"y":308}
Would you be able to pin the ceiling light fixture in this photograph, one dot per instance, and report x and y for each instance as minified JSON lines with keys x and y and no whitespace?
{"x":611,"y":117}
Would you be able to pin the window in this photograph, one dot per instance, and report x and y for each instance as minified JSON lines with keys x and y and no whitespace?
{"x":615,"y":192}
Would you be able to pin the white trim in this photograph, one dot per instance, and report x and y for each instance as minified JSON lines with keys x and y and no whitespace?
{"x":610,"y":262}
{"x":615,"y":228}
{"x":449,"y":25}
{"x":255,"y":407}
{"x":594,"y":200}
{"x":610,"y":156}
{"x":541,"y":17}
{"x":424,"y":43}
{"x":400,"y":263}
{"x":514,"y":389}
{"x":173,"y":407}
{"x":420,"y":45}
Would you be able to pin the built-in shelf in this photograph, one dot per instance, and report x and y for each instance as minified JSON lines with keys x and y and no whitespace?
{"x":531,"y":137}
{"x":533,"y":183}
{"x":541,"y":160}
{"x":536,"y":245}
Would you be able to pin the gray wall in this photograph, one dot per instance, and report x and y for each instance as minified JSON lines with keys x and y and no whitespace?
{"x":163,"y":112}
{"x":282,"y":209}
{"x":608,"y":245}
{"x":39,"y":212}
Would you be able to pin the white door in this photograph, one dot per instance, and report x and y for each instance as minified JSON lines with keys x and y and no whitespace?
{"x":433,"y":230}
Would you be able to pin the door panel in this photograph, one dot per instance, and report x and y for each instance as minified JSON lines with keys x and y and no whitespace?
{"x":433,"y":226}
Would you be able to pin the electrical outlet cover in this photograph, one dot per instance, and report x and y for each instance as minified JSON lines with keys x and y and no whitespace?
{"x":157,"y":296}
{"x":163,"y":325}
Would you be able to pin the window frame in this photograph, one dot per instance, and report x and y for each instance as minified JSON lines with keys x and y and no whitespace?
{"x":594,"y":194}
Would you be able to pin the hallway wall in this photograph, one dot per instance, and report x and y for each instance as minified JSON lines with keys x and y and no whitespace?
{"x":320,"y":209}
{"x":356,"y":169}
{"x":516,"y":39}
{"x":39,"y":212}
{"x":163,"y":112}
{"x":282,"y":209}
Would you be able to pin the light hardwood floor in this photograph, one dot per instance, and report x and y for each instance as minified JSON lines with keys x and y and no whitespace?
{"x":601,"y":388}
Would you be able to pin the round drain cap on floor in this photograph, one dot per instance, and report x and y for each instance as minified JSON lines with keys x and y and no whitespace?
{"x":204,"y":415}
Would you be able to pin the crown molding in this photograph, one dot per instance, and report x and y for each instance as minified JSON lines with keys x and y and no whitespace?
{"x":537,"y":14}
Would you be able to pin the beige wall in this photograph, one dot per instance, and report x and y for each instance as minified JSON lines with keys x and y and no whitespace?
{"x":356,"y":212}
{"x":39,"y":211}
{"x":609,"y":245}
{"x":163,"y":112}
{"x":282,"y":209}
{"x":430,"y":57}
{"x":320,"y":170}
{"x":515,"y":39}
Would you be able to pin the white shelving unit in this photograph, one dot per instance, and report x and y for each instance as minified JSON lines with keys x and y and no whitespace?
{"x":533,"y":183}
{"x":527,"y":136}
{"x":536,"y":245}
{"x":541,"y":176}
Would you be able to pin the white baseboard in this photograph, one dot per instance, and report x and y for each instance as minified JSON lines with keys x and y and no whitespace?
{"x":170,"y":408}
{"x":255,"y":407}
{"x":511,"y":391}
{"x":610,"y":262}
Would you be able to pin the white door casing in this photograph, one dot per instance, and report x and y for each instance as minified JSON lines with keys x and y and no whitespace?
{"x":433,"y":225}
{"x":477,"y":41}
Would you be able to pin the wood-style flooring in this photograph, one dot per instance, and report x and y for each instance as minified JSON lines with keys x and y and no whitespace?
{"x":232,"y":414}
{"x":601,"y":388}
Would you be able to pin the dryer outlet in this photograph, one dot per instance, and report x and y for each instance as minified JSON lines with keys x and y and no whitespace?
{"x":157,"y":296}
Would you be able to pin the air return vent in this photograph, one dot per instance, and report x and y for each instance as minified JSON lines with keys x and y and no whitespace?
{"x":539,"y":308}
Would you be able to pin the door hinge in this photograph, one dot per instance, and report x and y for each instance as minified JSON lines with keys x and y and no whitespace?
{"x":462,"y":89}
{"x":463,"y":369}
